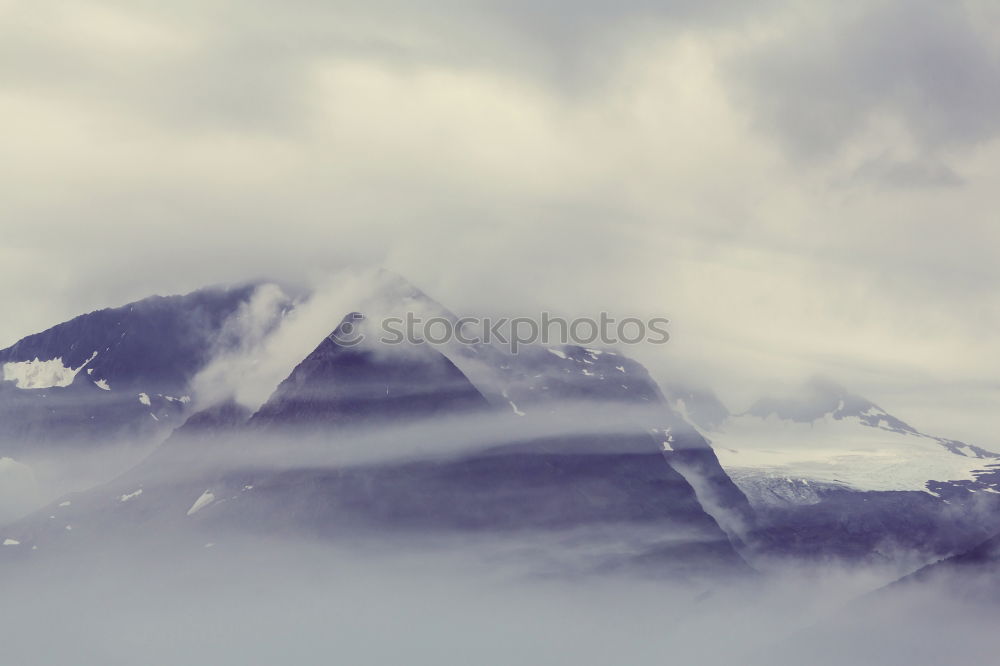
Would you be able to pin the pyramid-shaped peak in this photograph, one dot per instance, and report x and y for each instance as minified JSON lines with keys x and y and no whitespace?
{"x":351,"y":382}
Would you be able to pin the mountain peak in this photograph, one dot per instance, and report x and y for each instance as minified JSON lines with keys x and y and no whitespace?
{"x":342,"y":384}
{"x":819,"y":397}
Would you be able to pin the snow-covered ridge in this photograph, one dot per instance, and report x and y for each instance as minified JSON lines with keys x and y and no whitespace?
{"x":839,"y":452}
{"x":38,"y":374}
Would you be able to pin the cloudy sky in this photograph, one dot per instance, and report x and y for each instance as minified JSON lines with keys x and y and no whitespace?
{"x":800,"y":187}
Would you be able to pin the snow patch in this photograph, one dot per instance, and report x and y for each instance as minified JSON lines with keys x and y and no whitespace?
{"x":128,"y":496}
{"x":206,"y":498}
{"x":558,"y":353}
{"x":38,"y":374}
{"x":11,"y":542}
{"x":102,"y":384}
{"x":144,"y":399}
{"x":511,"y":403}
{"x":668,"y":441}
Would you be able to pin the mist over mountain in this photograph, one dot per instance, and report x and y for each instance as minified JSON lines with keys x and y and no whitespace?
{"x":562,"y":333}
{"x":119,"y":380}
{"x":566,"y":465}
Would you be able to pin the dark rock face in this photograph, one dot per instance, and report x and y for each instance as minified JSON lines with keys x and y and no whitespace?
{"x":871,"y":526}
{"x":542,"y":380}
{"x":133,"y":364}
{"x":629,"y":502}
{"x":717,"y":493}
{"x":158,"y":339}
{"x":986,"y":553}
{"x":537,"y":485}
{"x":971,"y":577}
{"x":903,"y":527}
{"x":217,"y":419}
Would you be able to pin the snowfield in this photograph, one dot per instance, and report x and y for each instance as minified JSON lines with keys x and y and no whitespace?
{"x":841,"y":452}
{"x":39,"y":374}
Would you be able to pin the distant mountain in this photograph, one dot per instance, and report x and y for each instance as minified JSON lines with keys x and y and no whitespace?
{"x":836,"y":474}
{"x":829,"y":437}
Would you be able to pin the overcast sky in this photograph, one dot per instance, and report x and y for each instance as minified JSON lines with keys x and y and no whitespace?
{"x":800,"y":187}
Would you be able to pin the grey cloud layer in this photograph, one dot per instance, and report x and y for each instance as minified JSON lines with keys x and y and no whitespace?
{"x":800,"y":188}
{"x":933,"y":66}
